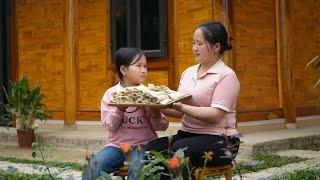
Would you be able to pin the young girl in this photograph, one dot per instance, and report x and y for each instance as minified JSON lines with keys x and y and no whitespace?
{"x":131,"y":125}
{"x":208,"y":117}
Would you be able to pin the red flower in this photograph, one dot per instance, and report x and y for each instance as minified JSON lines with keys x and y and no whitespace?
{"x":125,"y":147}
{"x":174,"y":162}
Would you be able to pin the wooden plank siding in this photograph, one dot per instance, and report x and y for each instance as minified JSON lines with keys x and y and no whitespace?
{"x":256,"y":64}
{"x":39,"y":27}
{"x":94,"y":56}
{"x":306,"y":45}
{"x":189,"y":15}
{"x":223,"y":12}
{"x":41,"y":52}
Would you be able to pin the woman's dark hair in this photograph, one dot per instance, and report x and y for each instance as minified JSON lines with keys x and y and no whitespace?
{"x":125,"y":56}
{"x":215,"y":32}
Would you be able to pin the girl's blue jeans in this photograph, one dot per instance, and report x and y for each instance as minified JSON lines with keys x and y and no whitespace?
{"x":110,"y":158}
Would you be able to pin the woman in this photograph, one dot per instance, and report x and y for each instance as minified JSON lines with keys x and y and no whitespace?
{"x":208,"y":117}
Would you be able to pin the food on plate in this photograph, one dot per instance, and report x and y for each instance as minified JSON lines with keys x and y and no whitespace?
{"x":150,"y":94}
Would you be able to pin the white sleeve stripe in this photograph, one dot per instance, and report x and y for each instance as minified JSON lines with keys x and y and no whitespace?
{"x":223,"y":107}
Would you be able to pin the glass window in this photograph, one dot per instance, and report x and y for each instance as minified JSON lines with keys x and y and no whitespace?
{"x":121,"y":23}
{"x":140,"y":23}
{"x":149,"y":24}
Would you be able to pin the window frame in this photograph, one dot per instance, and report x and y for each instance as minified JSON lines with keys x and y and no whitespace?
{"x":133,"y":29}
{"x":7,"y":40}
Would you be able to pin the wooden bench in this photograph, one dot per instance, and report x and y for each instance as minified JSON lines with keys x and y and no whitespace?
{"x":199,"y":173}
{"x":214,"y":171}
{"x":122,"y":172}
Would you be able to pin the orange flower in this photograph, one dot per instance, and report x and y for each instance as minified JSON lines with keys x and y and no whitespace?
{"x":174,"y":162}
{"x":125,"y":147}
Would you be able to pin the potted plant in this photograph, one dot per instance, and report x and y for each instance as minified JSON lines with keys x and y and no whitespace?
{"x":24,"y":105}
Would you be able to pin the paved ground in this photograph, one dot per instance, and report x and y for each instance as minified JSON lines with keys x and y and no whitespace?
{"x":276,"y":140}
{"x":37,"y":169}
{"x":271,"y":173}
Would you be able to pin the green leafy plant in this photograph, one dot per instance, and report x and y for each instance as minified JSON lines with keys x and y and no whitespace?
{"x":44,"y":150}
{"x":157,"y":162}
{"x":229,"y":155}
{"x":24,"y":103}
{"x":316,"y":62}
{"x":105,"y":176}
{"x":13,"y":173}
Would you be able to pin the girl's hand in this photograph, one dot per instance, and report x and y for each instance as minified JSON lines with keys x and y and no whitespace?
{"x":122,"y":109}
{"x":155,"y":113}
{"x":154,"y":110}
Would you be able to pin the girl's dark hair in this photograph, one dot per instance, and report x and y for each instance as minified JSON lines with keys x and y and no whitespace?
{"x":125,"y":56}
{"x":215,"y":32}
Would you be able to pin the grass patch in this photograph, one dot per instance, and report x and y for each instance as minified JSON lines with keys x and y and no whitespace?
{"x":13,"y":174}
{"x":69,"y":165}
{"x":312,"y":148}
{"x":267,"y":160}
{"x":306,"y":174}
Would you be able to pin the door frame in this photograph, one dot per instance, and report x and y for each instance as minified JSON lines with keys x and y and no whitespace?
{"x":8,"y":51}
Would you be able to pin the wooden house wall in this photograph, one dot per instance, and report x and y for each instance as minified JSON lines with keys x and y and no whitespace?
{"x":40,"y":47}
{"x":93,"y":55}
{"x":39,"y":27}
{"x":189,"y":14}
{"x":306,"y":45}
{"x":256,"y":62}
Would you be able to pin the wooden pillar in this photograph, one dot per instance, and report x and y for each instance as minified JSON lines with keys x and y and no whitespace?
{"x":70,"y":88}
{"x":285,"y":60}
{"x":223,"y":12}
